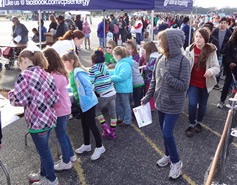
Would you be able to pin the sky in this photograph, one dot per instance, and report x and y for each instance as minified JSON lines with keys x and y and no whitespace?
{"x":216,"y":3}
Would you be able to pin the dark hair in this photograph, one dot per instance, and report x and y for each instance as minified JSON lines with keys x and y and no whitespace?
{"x":78,"y":17}
{"x":150,"y":47}
{"x":60,"y":17}
{"x":98,"y":57}
{"x":71,"y":34}
{"x":185,"y":20}
{"x":55,"y":63}
{"x":34,"y":29}
{"x":134,"y":47}
{"x":207,"y":26}
{"x":233,"y":37}
{"x":211,"y":24}
{"x":42,"y":22}
{"x":224,"y":19}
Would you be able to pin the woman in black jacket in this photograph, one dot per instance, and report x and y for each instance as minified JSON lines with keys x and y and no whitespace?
{"x":53,"y":24}
{"x":230,"y":66}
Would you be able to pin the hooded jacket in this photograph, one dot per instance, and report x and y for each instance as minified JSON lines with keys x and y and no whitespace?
{"x":122,"y":77}
{"x":171,"y":76}
{"x":86,"y":29}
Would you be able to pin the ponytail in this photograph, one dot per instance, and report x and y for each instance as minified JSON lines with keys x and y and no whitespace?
{"x":71,"y":34}
{"x":120,"y":51}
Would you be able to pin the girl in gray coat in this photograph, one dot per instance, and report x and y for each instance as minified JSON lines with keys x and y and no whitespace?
{"x":169,"y":84}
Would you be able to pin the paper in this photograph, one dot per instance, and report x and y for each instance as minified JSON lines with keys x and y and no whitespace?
{"x":17,"y":38}
{"x":143,"y":115}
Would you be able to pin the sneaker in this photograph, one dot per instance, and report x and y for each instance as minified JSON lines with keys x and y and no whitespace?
{"x":190,"y":131}
{"x":83,"y":148}
{"x":35,"y":177}
{"x":97,"y":153}
{"x":217,"y":87}
{"x":59,"y":166}
{"x":164,"y":161}
{"x":220,"y":105}
{"x":45,"y":181}
{"x":175,"y":170}
{"x":198,"y":128}
{"x":73,"y":159}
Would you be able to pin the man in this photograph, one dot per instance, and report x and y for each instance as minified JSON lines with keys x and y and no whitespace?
{"x":185,"y":28}
{"x":114,"y":24}
{"x":61,"y":28}
{"x":20,"y":32}
{"x":222,"y":34}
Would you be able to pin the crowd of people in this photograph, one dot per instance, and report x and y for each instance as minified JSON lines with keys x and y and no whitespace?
{"x":163,"y":75}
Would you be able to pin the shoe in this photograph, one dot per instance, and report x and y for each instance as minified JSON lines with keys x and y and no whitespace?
{"x":220,"y":105}
{"x":73,"y":159}
{"x":62,"y":166}
{"x":198,"y":128}
{"x":216,"y":87}
{"x":45,"y":181}
{"x":83,"y":148}
{"x":175,"y":170}
{"x":190,"y":131}
{"x":119,"y":121}
{"x":164,"y":161}
{"x":112,"y":135}
{"x":97,"y":153}
{"x":123,"y":124}
{"x":106,"y":129}
{"x":35,"y":177}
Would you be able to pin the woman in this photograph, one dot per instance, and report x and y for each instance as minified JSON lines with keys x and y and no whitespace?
{"x":204,"y":67}
{"x":20,"y":32}
{"x":169,"y":84}
{"x":71,"y":39}
{"x":53,"y":25}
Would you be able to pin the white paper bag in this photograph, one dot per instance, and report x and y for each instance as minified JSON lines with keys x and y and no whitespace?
{"x":143,"y":115}
{"x":17,"y":38}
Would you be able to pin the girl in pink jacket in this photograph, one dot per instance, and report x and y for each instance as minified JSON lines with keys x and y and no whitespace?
{"x":86,"y":30}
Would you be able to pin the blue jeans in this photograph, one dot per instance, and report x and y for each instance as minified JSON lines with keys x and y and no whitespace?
{"x":167,"y":124}
{"x":138,"y":93}
{"x":197,"y":96}
{"x":41,"y":141}
{"x":123,"y":107}
{"x":138,"y":38}
{"x":101,"y":42}
{"x":63,"y":139}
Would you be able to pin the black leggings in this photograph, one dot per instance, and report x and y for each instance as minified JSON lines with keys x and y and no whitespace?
{"x":88,"y":123}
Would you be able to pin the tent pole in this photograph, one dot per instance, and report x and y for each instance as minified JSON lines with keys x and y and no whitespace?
{"x":104,"y":27}
{"x":40,"y":30}
{"x":190,"y":27}
{"x":152,"y":24}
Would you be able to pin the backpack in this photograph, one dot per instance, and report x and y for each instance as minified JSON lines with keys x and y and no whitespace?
{"x":116,"y":30}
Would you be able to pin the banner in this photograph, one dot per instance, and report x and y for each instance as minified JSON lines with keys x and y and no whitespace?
{"x":174,"y":5}
{"x":76,"y":5}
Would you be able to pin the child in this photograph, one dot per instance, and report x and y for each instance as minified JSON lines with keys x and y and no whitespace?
{"x":86,"y":98}
{"x":122,"y":79}
{"x":62,"y":108}
{"x":151,"y":53}
{"x":138,"y":82}
{"x":99,"y":76}
{"x":36,"y":91}
{"x":35,"y":38}
{"x":109,"y":59}
{"x":86,"y":30}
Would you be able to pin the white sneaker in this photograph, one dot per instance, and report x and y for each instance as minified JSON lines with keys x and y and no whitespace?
{"x":220,"y":104}
{"x":73,"y":159}
{"x":175,"y":170}
{"x":164,"y":161}
{"x":35,"y":177}
{"x":62,"y":166}
{"x":45,"y":181}
{"x":83,"y":148}
{"x":97,"y":153}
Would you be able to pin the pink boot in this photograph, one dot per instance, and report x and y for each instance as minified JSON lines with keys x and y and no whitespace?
{"x":106,"y":130}
{"x":112,"y":135}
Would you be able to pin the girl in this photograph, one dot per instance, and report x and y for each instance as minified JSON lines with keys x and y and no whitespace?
{"x":169,"y":85}
{"x":99,"y":76}
{"x":122,"y":79}
{"x":204,"y":67}
{"x":36,"y":91}
{"x":86,"y":99}
{"x":109,"y":59}
{"x":86,"y":30}
{"x":151,"y":54}
{"x":138,"y":82}
{"x":62,"y":108}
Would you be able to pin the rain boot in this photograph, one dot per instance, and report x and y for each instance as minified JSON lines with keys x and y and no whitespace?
{"x":106,"y":130}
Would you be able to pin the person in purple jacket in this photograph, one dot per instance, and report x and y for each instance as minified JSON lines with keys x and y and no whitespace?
{"x":86,"y":30}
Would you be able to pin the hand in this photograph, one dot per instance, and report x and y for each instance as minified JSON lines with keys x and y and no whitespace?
{"x":142,"y":103}
{"x":207,"y":74}
{"x":232,"y":65}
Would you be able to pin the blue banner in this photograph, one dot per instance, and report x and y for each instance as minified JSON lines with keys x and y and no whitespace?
{"x":174,"y":5}
{"x":76,"y":4}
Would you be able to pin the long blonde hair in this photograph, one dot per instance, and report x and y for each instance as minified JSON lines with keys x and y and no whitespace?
{"x":37,"y":58}
{"x":73,"y":57}
{"x":120,"y":51}
{"x":163,"y":42}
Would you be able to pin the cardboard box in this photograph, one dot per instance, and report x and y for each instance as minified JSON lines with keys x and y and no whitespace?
{"x":49,"y":38}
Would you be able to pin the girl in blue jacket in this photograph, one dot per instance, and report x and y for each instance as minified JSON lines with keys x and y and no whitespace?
{"x":123,"y":84}
{"x":83,"y":92}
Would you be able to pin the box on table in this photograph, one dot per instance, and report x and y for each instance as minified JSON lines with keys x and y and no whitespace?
{"x":50,"y":38}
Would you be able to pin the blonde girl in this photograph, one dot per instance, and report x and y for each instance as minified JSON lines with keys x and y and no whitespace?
{"x":109,"y":59}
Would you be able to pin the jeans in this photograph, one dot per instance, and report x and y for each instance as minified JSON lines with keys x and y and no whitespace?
{"x":123,"y":107}
{"x":138,"y":93}
{"x":167,"y":124}
{"x":138,"y":38}
{"x":63,"y":139}
{"x":218,"y":76}
{"x":41,"y":141}
{"x":197,"y":96}
{"x":101,"y":42}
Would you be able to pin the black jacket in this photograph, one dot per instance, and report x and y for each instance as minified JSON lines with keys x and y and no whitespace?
{"x":230,"y":55}
{"x":226,"y":38}
{"x":61,"y":30}
{"x":79,"y":24}
{"x":52,"y":25}
{"x":216,"y":43}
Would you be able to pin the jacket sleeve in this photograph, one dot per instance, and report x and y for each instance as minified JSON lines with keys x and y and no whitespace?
{"x":24,"y":30}
{"x":214,"y":64}
{"x":123,"y":75}
{"x":228,"y":57}
{"x":181,"y":83}
{"x":20,"y":95}
{"x":150,"y":65}
{"x":85,"y":81}
{"x":91,"y":76}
